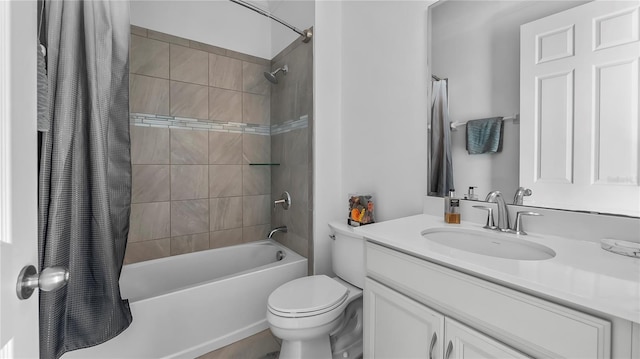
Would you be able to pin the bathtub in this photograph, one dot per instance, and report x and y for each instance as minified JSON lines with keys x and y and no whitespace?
{"x":188,"y":305}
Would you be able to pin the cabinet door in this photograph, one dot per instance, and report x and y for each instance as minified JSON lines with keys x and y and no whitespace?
{"x":462,"y":342}
{"x":398,"y":327}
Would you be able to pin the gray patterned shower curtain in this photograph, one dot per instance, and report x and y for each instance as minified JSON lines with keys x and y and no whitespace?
{"x":441,"y":176}
{"x":85,"y":173}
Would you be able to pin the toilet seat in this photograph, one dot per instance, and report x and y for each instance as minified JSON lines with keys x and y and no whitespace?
{"x":307,"y":297}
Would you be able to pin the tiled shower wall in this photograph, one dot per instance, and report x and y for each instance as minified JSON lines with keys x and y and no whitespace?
{"x":291,"y":139}
{"x":200,"y":116}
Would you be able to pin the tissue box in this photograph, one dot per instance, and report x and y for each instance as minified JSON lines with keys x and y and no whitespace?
{"x":360,"y":209}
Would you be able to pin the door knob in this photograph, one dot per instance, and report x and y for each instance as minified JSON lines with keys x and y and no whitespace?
{"x":49,"y":279}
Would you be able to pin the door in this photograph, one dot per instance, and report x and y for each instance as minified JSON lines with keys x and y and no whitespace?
{"x":463,"y":342}
{"x":579,"y":79}
{"x":18,"y":176}
{"x":398,"y":327}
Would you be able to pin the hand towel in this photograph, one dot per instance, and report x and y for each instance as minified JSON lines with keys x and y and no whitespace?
{"x":484,"y":135}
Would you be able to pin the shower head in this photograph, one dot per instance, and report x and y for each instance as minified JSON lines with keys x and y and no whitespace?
{"x":271,"y":76}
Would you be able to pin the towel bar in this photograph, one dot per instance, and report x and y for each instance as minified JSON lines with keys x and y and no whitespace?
{"x":515,"y":118}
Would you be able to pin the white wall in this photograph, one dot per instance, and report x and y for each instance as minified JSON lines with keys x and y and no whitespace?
{"x":327,"y":149}
{"x":476,"y":45}
{"x":385,"y":104}
{"x":217,"y":22}
{"x":371,"y":110}
{"x":298,"y":13}
{"x":225,"y":24}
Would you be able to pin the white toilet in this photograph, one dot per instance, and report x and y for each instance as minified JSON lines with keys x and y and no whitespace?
{"x":306,"y":311}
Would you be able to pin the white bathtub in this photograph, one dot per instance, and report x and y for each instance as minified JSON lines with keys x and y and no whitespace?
{"x":188,"y":305}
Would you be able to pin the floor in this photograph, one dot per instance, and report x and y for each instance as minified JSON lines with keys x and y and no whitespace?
{"x":258,"y":346}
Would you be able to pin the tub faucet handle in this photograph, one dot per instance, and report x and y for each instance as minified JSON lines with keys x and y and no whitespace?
{"x":285,"y":201}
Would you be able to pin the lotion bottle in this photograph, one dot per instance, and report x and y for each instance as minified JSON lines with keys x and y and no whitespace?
{"x":452,"y":208}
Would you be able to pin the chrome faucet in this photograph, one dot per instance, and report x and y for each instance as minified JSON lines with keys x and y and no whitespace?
{"x":503,"y":211}
{"x":282,"y":229}
{"x":520,"y":193}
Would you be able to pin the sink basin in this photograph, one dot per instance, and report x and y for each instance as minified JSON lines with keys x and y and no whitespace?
{"x":489,"y":243}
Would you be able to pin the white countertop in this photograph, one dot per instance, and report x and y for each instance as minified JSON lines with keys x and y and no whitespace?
{"x":580,"y":273}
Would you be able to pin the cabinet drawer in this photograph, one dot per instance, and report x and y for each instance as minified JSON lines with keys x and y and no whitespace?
{"x":536,"y":325}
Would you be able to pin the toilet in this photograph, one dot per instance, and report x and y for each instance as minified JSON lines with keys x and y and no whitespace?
{"x":309,"y":314}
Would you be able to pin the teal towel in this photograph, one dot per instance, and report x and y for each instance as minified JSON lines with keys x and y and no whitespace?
{"x":484,"y":135}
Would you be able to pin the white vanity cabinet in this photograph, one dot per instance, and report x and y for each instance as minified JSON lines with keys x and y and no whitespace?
{"x":399,"y":327}
{"x":409,"y":300}
{"x":463,"y":342}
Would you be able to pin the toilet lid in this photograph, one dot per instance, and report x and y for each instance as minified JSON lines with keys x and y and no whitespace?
{"x":307,"y":296}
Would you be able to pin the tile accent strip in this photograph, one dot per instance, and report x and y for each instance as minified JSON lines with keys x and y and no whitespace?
{"x":290,"y":125}
{"x":183,"y":123}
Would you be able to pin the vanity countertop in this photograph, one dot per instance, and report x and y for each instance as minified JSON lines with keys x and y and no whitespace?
{"x":580,"y":273}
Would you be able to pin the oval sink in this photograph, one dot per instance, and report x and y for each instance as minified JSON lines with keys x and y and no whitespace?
{"x":494,"y":244}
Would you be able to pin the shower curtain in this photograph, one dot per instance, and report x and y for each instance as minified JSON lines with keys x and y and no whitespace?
{"x":85,"y":173}
{"x":441,"y":162}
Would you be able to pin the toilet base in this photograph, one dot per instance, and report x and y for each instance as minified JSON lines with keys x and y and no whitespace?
{"x":317,"y":348}
{"x":313,"y":343}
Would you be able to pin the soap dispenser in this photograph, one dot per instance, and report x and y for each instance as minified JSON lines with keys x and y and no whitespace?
{"x":471,"y":194}
{"x":452,"y":208}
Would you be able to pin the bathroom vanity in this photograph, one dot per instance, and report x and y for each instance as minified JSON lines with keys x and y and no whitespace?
{"x":425,"y":299}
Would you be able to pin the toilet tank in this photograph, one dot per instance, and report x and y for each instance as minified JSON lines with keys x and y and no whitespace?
{"x":347,"y":254}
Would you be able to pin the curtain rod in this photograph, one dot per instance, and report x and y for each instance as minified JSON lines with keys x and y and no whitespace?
{"x":306,"y":34}
{"x":438,"y":78}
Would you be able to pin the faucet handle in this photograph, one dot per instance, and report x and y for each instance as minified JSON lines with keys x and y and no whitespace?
{"x":518,"y":229}
{"x":285,"y":200}
{"x":490,"y":223}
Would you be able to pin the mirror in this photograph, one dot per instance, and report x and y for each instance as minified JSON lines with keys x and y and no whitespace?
{"x":475,"y":46}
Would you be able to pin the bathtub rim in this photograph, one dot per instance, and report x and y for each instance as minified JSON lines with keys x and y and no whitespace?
{"x":289,"y":258}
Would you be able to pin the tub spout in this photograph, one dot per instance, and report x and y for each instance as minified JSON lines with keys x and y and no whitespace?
{"x":282,"y":229}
